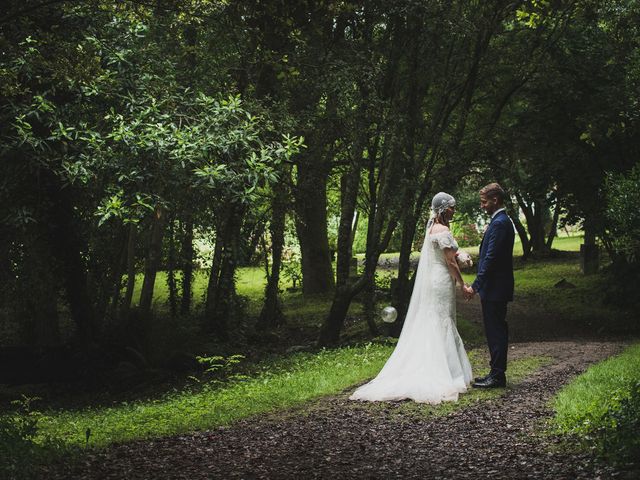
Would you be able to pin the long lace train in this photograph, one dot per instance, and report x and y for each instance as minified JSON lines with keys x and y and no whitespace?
{"x":429,"y":363}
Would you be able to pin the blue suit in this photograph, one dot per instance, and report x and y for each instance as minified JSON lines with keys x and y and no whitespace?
{"x":494,"y":284}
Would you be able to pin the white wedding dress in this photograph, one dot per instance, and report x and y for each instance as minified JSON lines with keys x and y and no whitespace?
{"x":429,"y":363}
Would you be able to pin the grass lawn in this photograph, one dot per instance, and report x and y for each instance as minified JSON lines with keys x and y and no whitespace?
{"x":581,"y":405}
{"x":277,"y":385}
{"x":251,"y":281}
{"x":601,"y":407}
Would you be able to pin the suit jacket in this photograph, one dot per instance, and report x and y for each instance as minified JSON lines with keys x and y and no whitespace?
{"x":494,"y":281}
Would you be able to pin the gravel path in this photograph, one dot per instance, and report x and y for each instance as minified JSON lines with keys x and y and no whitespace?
{"x":333,"y":438}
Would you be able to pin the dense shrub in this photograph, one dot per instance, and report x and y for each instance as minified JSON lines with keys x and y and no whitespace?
{"x":622,"y":234}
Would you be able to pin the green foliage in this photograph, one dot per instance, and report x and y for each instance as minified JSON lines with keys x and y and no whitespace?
{"x":466,"y":233}
{"x":22,"y":443}
{"x":601,"y":407}
{"x":291,"y":268}
{"x":217,"y":363}
{"x":622,"y":192}
{"x":107,"y":120}
{"x":382,"y":280}
{"x":617,"y":437}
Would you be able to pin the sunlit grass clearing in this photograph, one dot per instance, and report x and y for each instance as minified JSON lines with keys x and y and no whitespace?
{"x":580,"y":406}
{"x":280,"y":385}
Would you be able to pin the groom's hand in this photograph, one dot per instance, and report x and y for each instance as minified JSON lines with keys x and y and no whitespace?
{"x":468,"y":292}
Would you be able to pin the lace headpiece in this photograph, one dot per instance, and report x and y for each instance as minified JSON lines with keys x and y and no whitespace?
{"x":441,"y":201}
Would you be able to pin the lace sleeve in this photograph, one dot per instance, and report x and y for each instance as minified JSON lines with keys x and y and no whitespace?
{"x":444,"y":240}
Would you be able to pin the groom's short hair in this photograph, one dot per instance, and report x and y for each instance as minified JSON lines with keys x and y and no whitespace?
{"x":494,"y":190}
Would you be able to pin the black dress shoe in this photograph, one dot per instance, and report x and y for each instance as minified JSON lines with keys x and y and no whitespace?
{"x":481,"y":379}
{"x":492,"y":381}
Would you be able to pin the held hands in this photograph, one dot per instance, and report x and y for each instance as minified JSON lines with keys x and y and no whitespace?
{"x":468,"y":292}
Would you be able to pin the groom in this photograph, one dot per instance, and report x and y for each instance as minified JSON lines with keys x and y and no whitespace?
{"x":494,"y":282}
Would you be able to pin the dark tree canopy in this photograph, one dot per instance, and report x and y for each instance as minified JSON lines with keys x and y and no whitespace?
{"x":131,"y":132}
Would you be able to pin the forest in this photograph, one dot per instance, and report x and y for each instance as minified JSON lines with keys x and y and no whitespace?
{"x":189,"y":182}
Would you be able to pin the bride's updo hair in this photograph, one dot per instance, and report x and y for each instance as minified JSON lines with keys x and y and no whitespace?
{"x":441,"y":201}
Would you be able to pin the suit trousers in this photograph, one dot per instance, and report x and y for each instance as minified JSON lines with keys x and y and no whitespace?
{"x":494,"y":316}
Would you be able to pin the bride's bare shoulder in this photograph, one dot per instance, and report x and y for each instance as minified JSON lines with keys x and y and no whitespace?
{"x":438,"y":228}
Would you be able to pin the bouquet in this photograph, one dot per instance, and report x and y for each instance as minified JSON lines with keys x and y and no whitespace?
{"x":463,"y":259}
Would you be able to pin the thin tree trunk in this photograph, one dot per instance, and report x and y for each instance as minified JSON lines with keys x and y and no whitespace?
{"x":171,"y":274}
{"x":117,"y":277}
{"x":349,"y":195}
{"x":536,"y":227}
{"x":131,"y":269}
{"x":332,"y":326}
{"x":369,"y":305}
{"x":553,"y":232}
{"x":522,"y":231}
{"x":524,"y":237}
{"x":153,"y":259}
{"x":186,"y":256}
{"x":256,"y":237}
{"x":214,"y":273}
{"x":271,"y":314}
{"x":221,"y":295}
{"x":354,"y":230}
{"x":265,"y":252}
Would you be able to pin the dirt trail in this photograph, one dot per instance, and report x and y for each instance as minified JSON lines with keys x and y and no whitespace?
{"x":333,"y":440}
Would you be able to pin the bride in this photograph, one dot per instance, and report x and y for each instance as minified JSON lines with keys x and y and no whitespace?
{"x":429,"y":363}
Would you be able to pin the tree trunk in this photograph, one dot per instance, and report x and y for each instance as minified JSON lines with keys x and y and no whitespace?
{"x":214,"y":273}
{"x":112,"y":312}
{"x":271,"y":314}
{"x":171,"y":273}
{"x":520,"y":228}
{"x":344,"y":294}
{"x":186,"y":256}
{"x":369,"y":305}
{"x":131,"y":269}
{"x":348,"y":197}
{"x":69,"y":248}
{"x":311,"y":226}
{"x":524,"y":238}
{"x":534,"y":212}
{"x":589,"y":254}
{"x":553,"y":232}
{"x":536,"y":227}
{"x":332,"y":326}
{"x":153,"y":259}
{"x":38,"y":297}
{"x":255,"y":236}
{"x":221,"y":302}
